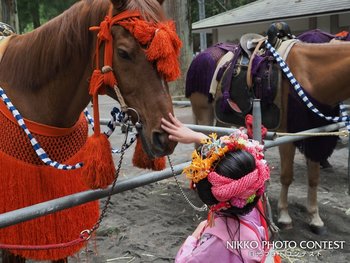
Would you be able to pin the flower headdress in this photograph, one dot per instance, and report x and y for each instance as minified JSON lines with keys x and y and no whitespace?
{"x":229,"y":192}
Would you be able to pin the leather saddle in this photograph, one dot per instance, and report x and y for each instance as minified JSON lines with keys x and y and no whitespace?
{"x":249,"y":41}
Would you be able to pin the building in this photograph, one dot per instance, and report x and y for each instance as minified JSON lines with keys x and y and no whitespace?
{"x":301,"y":15}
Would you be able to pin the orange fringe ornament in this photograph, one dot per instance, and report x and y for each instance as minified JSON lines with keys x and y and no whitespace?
{"x":141,"y":159}
{"x":24,"y":184}
{"x":163,"y":48}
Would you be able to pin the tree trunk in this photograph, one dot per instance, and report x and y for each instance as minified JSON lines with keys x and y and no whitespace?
{"x":34,"y":11}
{"x":9,"y":14}
{"x":179,"y":11}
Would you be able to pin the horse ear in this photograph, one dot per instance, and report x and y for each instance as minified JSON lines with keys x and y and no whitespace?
{"x":119,"y":4}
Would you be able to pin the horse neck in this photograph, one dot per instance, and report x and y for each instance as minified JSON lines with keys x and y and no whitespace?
{"x":323,"y":70}
{"x":45,"y":73}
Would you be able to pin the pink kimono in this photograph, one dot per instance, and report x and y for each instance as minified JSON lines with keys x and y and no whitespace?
{"x":216,"y":245}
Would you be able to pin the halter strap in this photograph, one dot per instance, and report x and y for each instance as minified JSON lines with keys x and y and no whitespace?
{"x":105,"y":35}
{"x":105,"y":76}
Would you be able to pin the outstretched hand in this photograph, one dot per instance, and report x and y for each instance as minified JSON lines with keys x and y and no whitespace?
{"x":179,"y":132}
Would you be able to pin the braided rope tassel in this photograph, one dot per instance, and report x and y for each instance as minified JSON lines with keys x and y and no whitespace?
{"x":40,"y":152}
{"x":117,"y":116}
{"x":299,"y":90}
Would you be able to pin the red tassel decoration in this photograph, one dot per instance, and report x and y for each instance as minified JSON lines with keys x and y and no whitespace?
{"x":249,"y":126}
{"x":141,"y":159}
{"x":98,"y":170}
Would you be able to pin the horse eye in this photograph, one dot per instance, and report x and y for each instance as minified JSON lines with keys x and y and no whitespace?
{"x":123,"y":54}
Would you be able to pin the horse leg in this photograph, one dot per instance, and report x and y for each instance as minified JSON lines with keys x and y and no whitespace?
{"x":203,"y":111}
{"x":8,"y":257}
{"x":287,"y":152}
{"x":316,"y":223}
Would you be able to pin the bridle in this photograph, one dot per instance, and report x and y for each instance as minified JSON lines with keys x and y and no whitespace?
{"x":104,"y":76}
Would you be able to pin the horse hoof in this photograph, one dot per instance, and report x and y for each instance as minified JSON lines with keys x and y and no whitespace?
{"x":326,"y":165}
{"x":318,"y":230}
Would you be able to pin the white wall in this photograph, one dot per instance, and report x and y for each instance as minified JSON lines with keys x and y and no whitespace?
{"x":297,"y":26}
{"x":344,"y":21}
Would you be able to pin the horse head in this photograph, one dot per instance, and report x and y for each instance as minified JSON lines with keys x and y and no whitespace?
{"x":145,"y":50}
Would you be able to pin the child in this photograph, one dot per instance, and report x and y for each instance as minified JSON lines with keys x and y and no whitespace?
{"x":229,"y":175}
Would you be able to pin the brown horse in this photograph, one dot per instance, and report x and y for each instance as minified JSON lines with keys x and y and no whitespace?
{"x":46,"y":75}
{"x":323,"y":70}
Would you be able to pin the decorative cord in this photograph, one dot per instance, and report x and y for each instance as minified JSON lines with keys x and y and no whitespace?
{"x":118,"y":116}
{"x":337,"y":133}
{"x":299,"y":90}
{"x":40,"y":152}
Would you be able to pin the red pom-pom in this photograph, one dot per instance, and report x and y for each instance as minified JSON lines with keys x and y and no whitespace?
{"x":249,"y":126}
{"x":141,"y":159}
{"x":98,"y":170}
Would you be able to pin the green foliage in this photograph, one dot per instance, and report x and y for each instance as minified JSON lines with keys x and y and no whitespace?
{"x":33,"y":13}
{"x":212,"y":8}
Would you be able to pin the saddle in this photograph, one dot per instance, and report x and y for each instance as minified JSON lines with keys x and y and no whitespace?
{"x":235,"y":95}
{"x":249,"y":41}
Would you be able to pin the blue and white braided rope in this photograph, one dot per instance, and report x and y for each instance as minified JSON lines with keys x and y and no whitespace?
{"x":117,"y":117}
{"x":35,"y":144}
{"x":344,"y":115}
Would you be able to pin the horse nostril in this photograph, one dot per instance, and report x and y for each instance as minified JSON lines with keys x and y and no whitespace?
{"x":160,"y":139}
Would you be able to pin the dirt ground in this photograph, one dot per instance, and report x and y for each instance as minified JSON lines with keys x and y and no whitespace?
{"x":149,"y":224}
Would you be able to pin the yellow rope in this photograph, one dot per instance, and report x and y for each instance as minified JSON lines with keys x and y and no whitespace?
{"x":337,"y":133}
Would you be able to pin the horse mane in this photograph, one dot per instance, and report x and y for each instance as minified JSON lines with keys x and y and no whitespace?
{"x":33,"y":59}
{"x":150,"y":10}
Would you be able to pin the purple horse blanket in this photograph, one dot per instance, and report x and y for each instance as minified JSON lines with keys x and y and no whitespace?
{"x":202,"y":68}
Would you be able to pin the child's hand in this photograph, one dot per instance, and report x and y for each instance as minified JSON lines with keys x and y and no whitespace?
{"x":180,"y":133}
{"x":199,"y":230}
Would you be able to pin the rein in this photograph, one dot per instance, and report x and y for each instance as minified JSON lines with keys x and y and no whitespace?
{"x":299,"y":90}
{"x":117,"y":117}
{"x":200,"y":209}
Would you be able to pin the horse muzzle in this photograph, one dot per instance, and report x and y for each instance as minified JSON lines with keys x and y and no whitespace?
{"x":159,"y":144}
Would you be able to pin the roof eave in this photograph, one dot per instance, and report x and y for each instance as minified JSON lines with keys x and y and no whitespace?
{"x":195,"y":29}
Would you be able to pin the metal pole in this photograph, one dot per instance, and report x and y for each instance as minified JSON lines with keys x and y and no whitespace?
{"x":222,"y":130}
{"x":49,"y":207}
{"x":203,"y":35}
{"x":349,"y":166}
{"x":181,"y":103}
{"x":207,"y":129}
{"x":257,"y":120}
